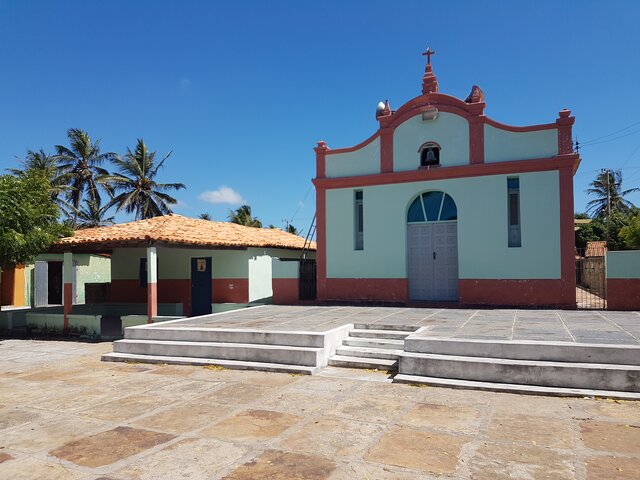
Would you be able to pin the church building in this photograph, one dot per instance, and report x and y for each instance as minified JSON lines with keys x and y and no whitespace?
{"x":444,"y":204}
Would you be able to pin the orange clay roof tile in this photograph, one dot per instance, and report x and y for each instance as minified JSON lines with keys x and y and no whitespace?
{"x":179,"y":230}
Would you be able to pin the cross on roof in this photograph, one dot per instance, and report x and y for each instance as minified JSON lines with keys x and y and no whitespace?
{"x":428,"y":54}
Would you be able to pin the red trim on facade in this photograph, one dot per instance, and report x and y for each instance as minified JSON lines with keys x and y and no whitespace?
{"x":321,"y":151}
{"x":567,"y":229}
{"x":286,"y":291}
{"x":386,"y":150}
{"x":564,"y":124}
{"x":321,"y":241}
{"x":230,"y":290}
{"x":443,"y":173}
{"x":393,"y":290}
{"x":531,"y":292}
{"x":623,"y":293}
{"x":152,"y":301}
{"x":67,"y":303}
{"x":355,"y":147}
{"x":476,"y":140}
{"x":526,"y":128}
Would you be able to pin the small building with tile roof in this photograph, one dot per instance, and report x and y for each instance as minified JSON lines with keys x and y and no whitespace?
{"x":189,"y":264}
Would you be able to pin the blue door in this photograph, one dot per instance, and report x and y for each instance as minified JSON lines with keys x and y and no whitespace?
{"x":200,"y":286}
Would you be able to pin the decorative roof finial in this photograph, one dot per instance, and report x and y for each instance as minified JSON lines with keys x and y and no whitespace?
{"x":429,"y":80}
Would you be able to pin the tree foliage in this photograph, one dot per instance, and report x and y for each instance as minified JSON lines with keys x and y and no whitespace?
{"x":135,"y":188}
{"x":630,"y":234}
{"x":80,"y":167}
{"x":608,"y":193}
{"x":92,"y":215}
{"x":242,"y":216}
{"x":28,"y":218}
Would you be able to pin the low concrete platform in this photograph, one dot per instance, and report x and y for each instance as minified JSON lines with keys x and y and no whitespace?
{"x":572,"y":351}
{"x":578,"y":326}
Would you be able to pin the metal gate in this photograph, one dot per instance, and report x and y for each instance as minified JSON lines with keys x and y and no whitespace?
{"x":591,"y":284}
{"x":307,"y":279}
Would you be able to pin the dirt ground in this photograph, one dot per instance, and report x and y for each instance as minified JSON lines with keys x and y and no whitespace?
{"x":66,"y":415}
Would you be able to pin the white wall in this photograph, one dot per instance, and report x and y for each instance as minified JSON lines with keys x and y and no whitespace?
{"x":364,"y":161}
{"x":503,"y":145}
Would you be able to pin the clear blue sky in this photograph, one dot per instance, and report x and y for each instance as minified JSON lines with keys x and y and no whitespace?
{"x":241,"y":91}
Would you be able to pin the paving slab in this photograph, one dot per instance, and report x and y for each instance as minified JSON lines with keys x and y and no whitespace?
{"x":499,"y":324}
{"x":213,"y":423}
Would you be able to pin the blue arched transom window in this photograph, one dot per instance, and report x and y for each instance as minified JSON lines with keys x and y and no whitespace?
{"x":432,"y":207}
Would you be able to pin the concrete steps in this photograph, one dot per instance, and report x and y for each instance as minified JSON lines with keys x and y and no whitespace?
{"x":291,"y":351}
{"x":514,"y":388}
{"x":368,"y":352}
{"x":374,"y":343}
{"x":361,"y":362}
{"x":230,"y":364}
{"x":371,"y":347}
{"x":388,"y":334}
{"x":222,"y":351}
{"x":528,"y":366}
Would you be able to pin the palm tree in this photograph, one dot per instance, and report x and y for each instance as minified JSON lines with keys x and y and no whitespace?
{"x":80,"y":166}
{"x":92,"y":215}
{"x":607,"y":188}
{"x":291,"y":229}
{"x":242,"y":216}
{"x":204,"y":216}
{"x":134,"y":186}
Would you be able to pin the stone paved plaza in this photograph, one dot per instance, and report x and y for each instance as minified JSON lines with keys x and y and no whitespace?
{"x":581,"y":326}
{"x":66,"y":415}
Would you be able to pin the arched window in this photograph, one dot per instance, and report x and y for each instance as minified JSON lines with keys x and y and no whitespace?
{"x":429,"y":154}
{"x":432,"y":207}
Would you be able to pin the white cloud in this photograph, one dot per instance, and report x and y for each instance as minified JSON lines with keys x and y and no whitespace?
{"x":184,"y":84}
{"x":180,"y":205}
{"x":222,"y":195}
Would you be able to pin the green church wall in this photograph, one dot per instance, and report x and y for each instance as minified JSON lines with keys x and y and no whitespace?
{"x":483,"y":251}
{"x":450,"y":131}
{"x":364,"y":161}
{"x":504,"y":145}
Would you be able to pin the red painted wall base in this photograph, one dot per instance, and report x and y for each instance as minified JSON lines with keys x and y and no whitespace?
{"x":230,"y":290}
{"x":623,"y":293}
{"x":285,"y":291}
{"x":530,"y":293}
{"x":393,"y":290}
{"x":527,"y":293}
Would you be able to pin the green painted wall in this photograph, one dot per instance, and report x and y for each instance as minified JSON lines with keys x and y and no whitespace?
{"x":175,"y":263}
{"x":282,"y":269}
{"x":89,"y":269}
{"x":483,"y":250}
{"x":450,"y":131}
{"x":624,"y":264}
{"x":365,"y":161}
{"x":503,"y":145}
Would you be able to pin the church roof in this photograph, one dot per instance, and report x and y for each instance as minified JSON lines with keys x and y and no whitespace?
{"x":177,"y":230}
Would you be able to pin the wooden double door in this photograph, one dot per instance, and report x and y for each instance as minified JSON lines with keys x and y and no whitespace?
{"x":432,"y":261}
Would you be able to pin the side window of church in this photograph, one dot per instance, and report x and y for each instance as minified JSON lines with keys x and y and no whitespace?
{"x":359,"y":220}
{"x":513,"y":196}
{"x":429,"y":155}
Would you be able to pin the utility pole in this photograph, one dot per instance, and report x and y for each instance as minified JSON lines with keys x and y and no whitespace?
{"x":608,"y":174}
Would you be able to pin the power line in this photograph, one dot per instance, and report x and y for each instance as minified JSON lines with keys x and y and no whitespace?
{"x":610,"y":134}
{"x":593,"y":142}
